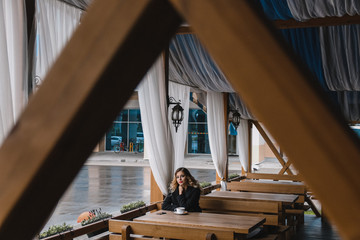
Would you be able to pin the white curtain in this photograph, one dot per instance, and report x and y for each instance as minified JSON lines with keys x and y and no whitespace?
{"x":217,"y":136}
{"x":13,"y":63}
{"x":182,"y":93}
{"x":303,"y":10}
{"x":190,"y":64}
{"x":56,"y":22}
{"x":242,"y":139}
{"x":157,"y":136}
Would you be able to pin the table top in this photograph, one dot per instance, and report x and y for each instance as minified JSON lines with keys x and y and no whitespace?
{"x":286,"y":199}
{"x":275,"y":182}
{"x":236,"y":223}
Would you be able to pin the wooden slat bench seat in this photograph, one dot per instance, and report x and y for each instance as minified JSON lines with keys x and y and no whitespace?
{"x":126,"y":230}
{"x":267,"y":186}
{"x":270,"y":210}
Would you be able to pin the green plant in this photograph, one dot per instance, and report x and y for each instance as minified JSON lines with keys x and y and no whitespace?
{"x":205,"y":184}
{"x":55,"y":229}
{"x":233,"y":175}
{"x":95,"y":215}
{"x":131,"y":206}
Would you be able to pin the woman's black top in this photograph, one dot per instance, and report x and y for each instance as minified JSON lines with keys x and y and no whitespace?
{"x":188,"y":199}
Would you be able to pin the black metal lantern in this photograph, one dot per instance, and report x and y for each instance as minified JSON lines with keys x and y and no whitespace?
{"x":177,"y":114}
{"x":236,"y":118}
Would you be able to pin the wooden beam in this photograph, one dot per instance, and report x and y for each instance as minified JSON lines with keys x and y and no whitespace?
{"x":155,"y":192}
{"x":292,"y":23}
{"x":249,"y":170}
{"x":283,"y":95}
{"x":30,"y":16}
{"x":226,"y":175}
{"x":81,"y":95}
{"x":317,"y":22}
{"x":272,"y":147}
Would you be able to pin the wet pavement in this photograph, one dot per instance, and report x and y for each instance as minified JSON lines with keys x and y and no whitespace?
{"x":109,"y":181}
{"x":108,"y":188}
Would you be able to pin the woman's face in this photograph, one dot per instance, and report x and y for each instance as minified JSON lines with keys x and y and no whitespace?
{"x":181,"y":178}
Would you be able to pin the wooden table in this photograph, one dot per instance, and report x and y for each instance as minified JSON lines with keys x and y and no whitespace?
{"x":236,"y":223}
{"x":283,"y":199}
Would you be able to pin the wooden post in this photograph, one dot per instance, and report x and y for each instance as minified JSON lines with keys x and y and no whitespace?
{"x":155,"y":193}
{"x":250,"y":146}
{"x":226,"y":174}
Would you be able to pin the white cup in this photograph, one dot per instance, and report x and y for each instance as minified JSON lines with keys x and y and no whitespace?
{"x":179,"y":210}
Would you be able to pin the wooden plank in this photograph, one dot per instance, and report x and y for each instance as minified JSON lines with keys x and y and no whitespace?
{"x":283,"y":95}
{"x":266,"y":187}
{"x":292,"y":23}
{"x":30,"y":15}
{"x":239,"y":205}
{"x":272,"y":147}
{"x":168,"y":231}
{"x":237,"y":224}
{"x":68,"y":115}
{"x":284,"y":199}
{"x":318,"y":22}
{"x":250,"y":147}
{"x":155,"y":192}
{"x":273,"y":176}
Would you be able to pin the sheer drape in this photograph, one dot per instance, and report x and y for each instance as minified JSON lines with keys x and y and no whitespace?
{"x":217,"y":137}
{"x":13,"y":63}
{"x":341,"y":57}
{"x":182,"y":93}
{"x":236,"y":103}
{"x":157,"y":137}
{"x":56,"y":22}
{"x":242,"y":140}
{"x":303,"y":10}
{"x":190,"y":64}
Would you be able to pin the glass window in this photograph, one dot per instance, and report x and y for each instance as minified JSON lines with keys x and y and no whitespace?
{"x":134,"y":115}
{"x":198,"y":140}
{"x":123,"y":116}
{"x":128,"y":135}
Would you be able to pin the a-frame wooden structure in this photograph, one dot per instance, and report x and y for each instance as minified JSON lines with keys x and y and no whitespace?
{"x":113,"y":48}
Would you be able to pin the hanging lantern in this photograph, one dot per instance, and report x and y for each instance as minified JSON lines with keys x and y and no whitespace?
{"x":236,"y":118}
{"x":177,"y":114}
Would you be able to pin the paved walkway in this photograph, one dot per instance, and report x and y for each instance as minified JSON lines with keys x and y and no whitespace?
{"x":137,"y":159}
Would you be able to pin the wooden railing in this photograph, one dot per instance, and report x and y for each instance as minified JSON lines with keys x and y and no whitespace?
{"x":103,"y":224}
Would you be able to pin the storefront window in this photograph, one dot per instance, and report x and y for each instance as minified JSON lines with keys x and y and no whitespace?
{"x":126,"y":132}
{"x":198,"y":138}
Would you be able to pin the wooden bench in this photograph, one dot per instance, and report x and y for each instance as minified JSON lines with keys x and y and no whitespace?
{"x":296,"y":215}
{"x":270,"y":210}
{"x":295,"y":178}
{"x":125,"y":230}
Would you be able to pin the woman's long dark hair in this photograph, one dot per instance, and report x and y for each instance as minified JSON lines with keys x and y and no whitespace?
{"x":190,"y":180}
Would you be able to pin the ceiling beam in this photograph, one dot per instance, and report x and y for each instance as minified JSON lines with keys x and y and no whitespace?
{"x":292,"y":23}
{"x":282,"y":94}
{"x":317,"y":22}
{"x":83,"y":92}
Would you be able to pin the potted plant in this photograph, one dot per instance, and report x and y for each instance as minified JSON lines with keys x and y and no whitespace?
{"x":94,"y":216}
{"x":55,"y":229}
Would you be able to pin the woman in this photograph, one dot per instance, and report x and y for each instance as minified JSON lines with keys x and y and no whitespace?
{"x":184,"y":192}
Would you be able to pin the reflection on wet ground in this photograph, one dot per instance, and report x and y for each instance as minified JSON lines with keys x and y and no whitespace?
{"x":108,"y":188}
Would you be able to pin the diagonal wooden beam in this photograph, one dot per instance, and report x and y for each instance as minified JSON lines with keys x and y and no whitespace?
{"x":285,"y":168}
{"x":283,"y":96}
{"x":272,"y":147}
{"x":81,"y":95}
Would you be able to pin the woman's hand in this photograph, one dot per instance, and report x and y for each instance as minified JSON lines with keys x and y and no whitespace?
{"x":181,"y":189}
